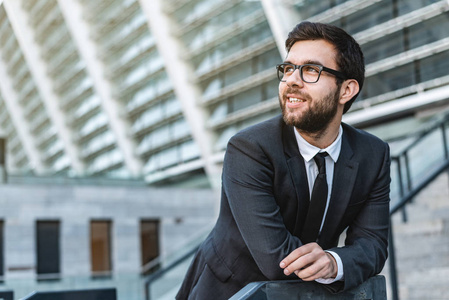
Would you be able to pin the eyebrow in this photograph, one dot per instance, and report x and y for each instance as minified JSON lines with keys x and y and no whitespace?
{"x":313,"y":62}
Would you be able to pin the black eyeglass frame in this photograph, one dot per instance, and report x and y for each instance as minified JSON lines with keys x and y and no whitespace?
{"x":336,"y":73}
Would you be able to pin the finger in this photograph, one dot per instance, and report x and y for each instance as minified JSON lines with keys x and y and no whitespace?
{"x":315,"y":262}
{"x":299,"y":264}
{"x":322,"y":268}
{"x":297,"y":253}
{"x":294,"y":255}
{"x":312,"y":272}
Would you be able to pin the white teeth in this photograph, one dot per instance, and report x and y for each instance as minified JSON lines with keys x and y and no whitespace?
{"x":295,"y":100}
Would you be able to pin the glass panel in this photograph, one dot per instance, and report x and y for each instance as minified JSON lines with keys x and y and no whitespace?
{"x":434,"y":66}
{"x":310,"y":8}
{"x":388,"y":81}
{"x":213,"y":87}
{"x":180,"y":129}
{"x":247,"y":98}
{"x":422,"y":165}
{"x":267,"y":60}
{"x":429,"y":31}
{"x":369,"y":17}
{"x":240,"y":72}
{"x":219,"y":112}
{"x":384,"y":47}
{"x":189,"y":151}
{"x":271,"y":90}
{"x":160,"y":136}
{"x":168,"y":157}
{"x":407,"y":6}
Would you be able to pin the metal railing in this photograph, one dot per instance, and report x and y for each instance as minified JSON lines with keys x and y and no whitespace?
{"x":374,"y":288}
{"x":6,"y":295}
{"x":94,"y":294}
{"x":161,"y":272}
{"x":171,"y":268}
{"x":430,"y":153}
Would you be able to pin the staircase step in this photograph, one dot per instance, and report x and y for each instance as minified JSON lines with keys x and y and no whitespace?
{"x":422,"y":245}
{"x":425,"y":284}
{"x":413,"y":228}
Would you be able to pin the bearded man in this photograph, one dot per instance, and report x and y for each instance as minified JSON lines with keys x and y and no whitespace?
{"x":291,"y":185}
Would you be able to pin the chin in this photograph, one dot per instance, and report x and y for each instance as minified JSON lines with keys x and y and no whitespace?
{"x":290,"y":118}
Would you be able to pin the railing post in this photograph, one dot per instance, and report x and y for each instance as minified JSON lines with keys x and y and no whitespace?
{"x":446,"y":151}
{"x":407,"y":173}
{"x":401,"y":188}
{"x":392,"y":261}
{"x":147,"y":291}
{"x":445,"y":146}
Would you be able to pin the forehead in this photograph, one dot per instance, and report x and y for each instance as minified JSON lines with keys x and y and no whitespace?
{"x":313,"y":51}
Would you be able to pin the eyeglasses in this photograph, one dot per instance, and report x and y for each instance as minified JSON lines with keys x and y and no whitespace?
{"x":309,"y":73}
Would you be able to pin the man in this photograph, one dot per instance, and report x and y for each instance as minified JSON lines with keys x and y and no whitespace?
{"x":267,"y":228}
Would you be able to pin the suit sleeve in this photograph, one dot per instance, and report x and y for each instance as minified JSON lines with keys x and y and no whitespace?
{"x":248,"y":185}
{"x":365,"y":250}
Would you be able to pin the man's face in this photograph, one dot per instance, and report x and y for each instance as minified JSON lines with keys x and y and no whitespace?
{"x":310,"y":107}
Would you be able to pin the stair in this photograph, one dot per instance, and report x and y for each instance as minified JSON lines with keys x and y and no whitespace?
{"x":422,"y":245}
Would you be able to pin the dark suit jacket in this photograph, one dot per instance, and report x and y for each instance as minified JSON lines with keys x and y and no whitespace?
{"x":264,"y":203}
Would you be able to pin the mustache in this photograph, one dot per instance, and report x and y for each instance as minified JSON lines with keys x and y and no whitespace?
{"x":298,"y":92}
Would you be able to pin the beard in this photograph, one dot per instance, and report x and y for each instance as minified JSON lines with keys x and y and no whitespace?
{"x":319,"y":115}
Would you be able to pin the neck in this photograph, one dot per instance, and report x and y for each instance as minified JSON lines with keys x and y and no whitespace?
{"x":323,"y":138}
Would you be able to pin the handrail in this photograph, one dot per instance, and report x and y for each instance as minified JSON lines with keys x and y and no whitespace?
{"x":409,"y":197}
{"x":161,"y":272}
{"x":407,"y":192}
{"x":373,"y":288}
{"x":87,"y":294}
{"x":170,"y":264}
{"x":404,"y":201}
{"x":422,"y":134}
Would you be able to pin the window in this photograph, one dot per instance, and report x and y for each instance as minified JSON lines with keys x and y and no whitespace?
{"x":47,"y":247}
{"x":2,"y":164}
{"x":149,"y":243}
{"x":100,"y":247}
{"x":1,"y":250}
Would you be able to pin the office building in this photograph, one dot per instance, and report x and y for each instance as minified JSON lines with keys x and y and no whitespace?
{"x":154,"y":89}
{"x":151,"y":91}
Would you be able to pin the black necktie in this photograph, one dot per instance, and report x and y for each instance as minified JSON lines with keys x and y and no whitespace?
{"x":317,"y":202}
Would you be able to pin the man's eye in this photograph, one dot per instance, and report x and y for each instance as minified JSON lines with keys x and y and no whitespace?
{"x":311,"y":69}
{"x":289,"y":69}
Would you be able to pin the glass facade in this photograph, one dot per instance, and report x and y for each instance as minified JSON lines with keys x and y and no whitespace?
{"x":57,"y":120}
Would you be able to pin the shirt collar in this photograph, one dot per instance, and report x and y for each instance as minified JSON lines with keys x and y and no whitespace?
{"x":308,"y":151}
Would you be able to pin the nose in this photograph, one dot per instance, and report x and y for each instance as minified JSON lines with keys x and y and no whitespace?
{"x":295,"y":79}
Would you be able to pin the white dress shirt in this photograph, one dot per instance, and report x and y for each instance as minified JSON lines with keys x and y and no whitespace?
{"x":308,"y":151}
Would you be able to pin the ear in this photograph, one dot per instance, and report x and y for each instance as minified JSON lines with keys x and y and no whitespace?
{"x":349,"y":88}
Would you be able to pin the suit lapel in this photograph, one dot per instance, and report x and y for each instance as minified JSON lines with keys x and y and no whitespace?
{"x":297,"y":170}
{"x":345,"y":173}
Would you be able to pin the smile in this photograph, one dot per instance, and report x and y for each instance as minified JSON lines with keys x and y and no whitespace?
{"x":295,"y":100}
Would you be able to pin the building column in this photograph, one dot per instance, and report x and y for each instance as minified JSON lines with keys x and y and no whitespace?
{"x":187,"y":92}
{"x":16,"y":114}
{"x":44,"y":84}
{"x":282,"y":18}
{"x":73,"y":14}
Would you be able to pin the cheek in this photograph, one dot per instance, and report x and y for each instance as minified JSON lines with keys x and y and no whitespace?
{"x":282,"y":87}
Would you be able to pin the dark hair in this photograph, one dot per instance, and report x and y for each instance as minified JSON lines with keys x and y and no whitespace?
{"x":349,"y":55}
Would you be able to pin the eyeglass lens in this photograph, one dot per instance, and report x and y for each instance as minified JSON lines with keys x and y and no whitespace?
{"x":308,"y":73}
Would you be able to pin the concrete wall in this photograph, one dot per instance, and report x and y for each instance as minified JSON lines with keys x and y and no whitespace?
{"x":182,"y":214}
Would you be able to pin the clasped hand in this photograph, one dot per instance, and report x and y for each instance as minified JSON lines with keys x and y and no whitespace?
{"x":310,"y":262}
